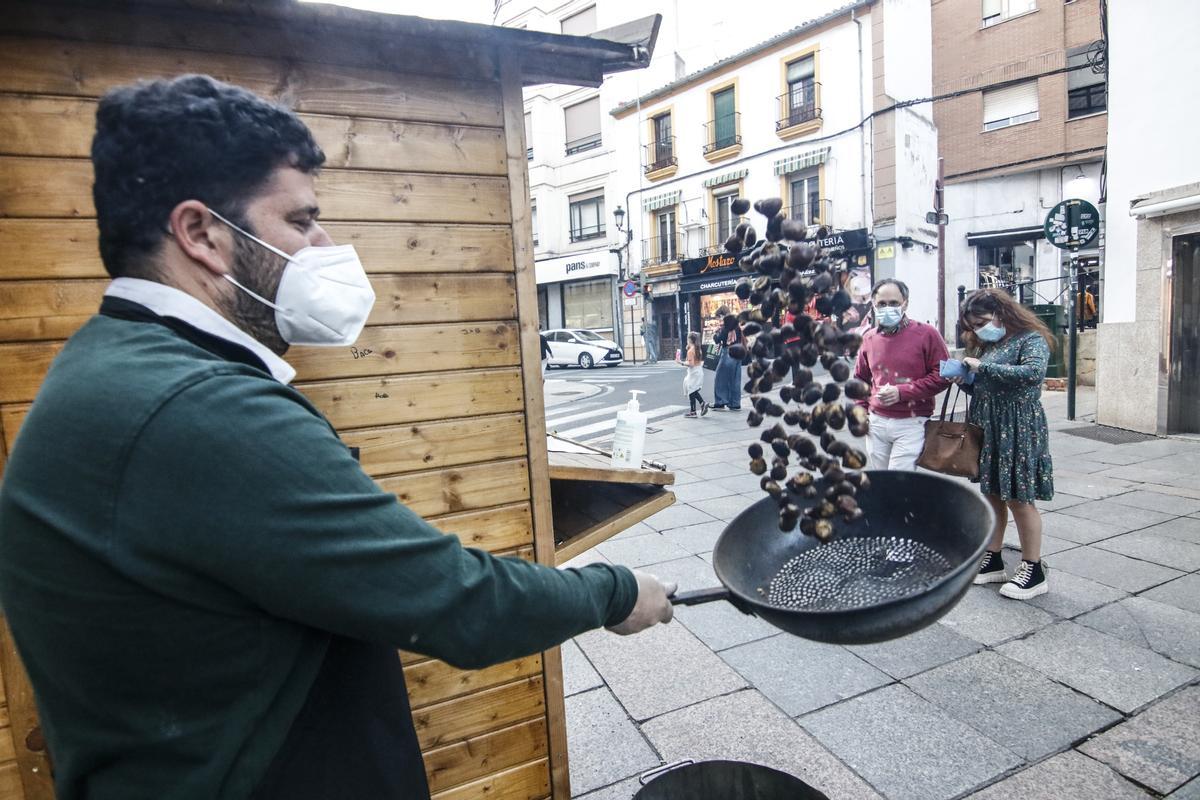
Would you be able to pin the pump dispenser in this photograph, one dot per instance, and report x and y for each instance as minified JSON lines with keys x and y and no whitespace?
{"x":629,"y":438}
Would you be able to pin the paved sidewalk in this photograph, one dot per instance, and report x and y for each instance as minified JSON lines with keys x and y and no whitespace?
{"x":1091,"y":691}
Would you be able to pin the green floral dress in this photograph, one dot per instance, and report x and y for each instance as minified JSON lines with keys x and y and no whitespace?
{"x":1015,"y":460}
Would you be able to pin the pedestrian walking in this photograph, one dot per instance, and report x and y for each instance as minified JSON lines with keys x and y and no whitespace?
{"x":727,"y":383}
{"x":693,"y":381}
{"x":206,"y":588}
{"x":650,"y":340}
{"x":1010,"y":349}
{"x":900,"y":359}
{"x":546,"y":353}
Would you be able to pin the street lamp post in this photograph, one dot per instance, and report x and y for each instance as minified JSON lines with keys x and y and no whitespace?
{"x":622,"y":250}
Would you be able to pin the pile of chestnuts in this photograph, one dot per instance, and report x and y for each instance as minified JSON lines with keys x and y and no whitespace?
{"x":787,"y":273}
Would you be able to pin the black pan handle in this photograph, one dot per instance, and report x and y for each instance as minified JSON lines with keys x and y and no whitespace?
{"x":698,"y":596}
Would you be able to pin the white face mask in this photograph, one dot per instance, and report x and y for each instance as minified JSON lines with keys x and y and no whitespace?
{"x":324,"y":296}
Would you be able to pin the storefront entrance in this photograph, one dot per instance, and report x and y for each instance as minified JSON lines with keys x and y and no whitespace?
{"x":1183,"y":365}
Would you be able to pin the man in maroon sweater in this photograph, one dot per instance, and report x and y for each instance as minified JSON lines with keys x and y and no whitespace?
{"x":899,"y":359}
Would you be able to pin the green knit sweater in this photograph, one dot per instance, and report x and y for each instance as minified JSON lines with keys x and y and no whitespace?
{"x":181,"y":534}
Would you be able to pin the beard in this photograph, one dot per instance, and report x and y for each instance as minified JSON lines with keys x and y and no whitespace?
{"x":260,"y":271}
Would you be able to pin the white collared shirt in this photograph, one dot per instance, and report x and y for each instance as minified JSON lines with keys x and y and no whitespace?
{"x":167,"y":301}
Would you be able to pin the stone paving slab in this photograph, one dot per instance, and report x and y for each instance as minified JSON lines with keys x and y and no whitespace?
{"x":1164,"y":629}
{"x":1109,"y":669}
{"x":1156,"y":501}
{"x":1147,"y":472}
{"x":700,"y":538}
{"x":658,"y":670}
{"x":907,"y":747}
{"x":1071,"y":595}
{"x":719,"y":625}
{"x":724,"y":507}
{"x":927,"y":648}
{"x":712,"y":470}
{"x":1061,"y":500}
{"x":740,"y":483}
{"x":745,"y":727}
{"x":683,"y":478}
{"x":1015,"y":705}
{"x":987,"y":617}
{"x":1114,"y":514}
{"x":1092,"y":487}
{"x":1077,"y":530}
{"x":1158,"y":748}
{"x":1164,"y":550}
{"x":1118,"y":456}
{"x":603,"y":744}
{"x":801,"y":676}
{"x":1050,"y":544}
{"x":701,"y":490}
{"x":1111,"y":569}
{"x":677,"y":516}
{"x":1182,"y":593}
{"x":578,"y":673}
{"x":624,"y":790}
{"x":1066,"y":776}
{"x":640,"y":550}
{"x":1189,"y":791}
{"x":1185,"y":529}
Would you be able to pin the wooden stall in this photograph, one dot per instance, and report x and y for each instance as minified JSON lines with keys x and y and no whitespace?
{"x":422,"y":123}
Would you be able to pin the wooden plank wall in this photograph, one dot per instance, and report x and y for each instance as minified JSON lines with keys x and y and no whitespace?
{"x":418,"y":178}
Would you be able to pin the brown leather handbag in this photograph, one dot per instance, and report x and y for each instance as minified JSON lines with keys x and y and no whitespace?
{"x":951,"y":448}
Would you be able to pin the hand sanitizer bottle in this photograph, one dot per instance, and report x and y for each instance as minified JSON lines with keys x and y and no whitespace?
{"x":629,"y":438}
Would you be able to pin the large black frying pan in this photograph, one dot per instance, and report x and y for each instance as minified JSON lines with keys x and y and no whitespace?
{"x":949,"y":516}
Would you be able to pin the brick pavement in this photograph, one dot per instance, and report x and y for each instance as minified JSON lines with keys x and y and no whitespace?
{"x":1090,"y":691}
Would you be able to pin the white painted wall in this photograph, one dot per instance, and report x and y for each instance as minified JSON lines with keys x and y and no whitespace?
{"x":1151,"y":128}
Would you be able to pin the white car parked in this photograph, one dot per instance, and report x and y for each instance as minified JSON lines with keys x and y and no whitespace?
{"x":574,"y":347}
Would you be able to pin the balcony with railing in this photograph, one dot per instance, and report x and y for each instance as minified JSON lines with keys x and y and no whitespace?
{"x":723,"y":136}
{"x":798,"y":110}
{"x":712,"y":239}
{"x":660,"y":157}
{"x":585,"y":143}
{"x":810,"y":213}
{"x":658,"y":250}
{"x":584,"y":232}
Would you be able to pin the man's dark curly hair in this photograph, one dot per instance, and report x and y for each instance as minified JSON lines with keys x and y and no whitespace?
{"x":161,"y":142}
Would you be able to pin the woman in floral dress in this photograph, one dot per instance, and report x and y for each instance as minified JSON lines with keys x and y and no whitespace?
{"x":1009,"y":350}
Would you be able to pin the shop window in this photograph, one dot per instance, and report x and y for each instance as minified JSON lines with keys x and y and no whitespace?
{"x":583,"y":126}
{"x":994,"y":11}
{"x":588,"y":304}
{"x":580,"y":24}
{"x":1011,"y":105}
{"x":1005,"y":266}
{"x":1086,"y":90}
{"x":587,"y":216}
{"x":804,"y":189}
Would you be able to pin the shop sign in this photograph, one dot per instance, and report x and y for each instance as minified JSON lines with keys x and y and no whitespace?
{"x":713,"y":263}
{"x":575,"y":267}
{"x":715,"y":286}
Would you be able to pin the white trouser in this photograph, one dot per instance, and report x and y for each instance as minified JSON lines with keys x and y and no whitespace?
{"x":895,"y":443}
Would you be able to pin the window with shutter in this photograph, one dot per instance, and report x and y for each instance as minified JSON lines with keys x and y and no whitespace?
{"x":1011,"y":105}
{"x":587,"y":215}
{"x":581,"y":24}
{"x":1086,"y":90}
{"x":801,"y":94}
{"x":993,"y":11}
{"x":583,"y":125}
{"x":724,"y":123}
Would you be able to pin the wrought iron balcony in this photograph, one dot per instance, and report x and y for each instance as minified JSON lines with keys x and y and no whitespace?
{"x":660,"y":154}
{"x":588,"y":232}
{"x":585,"y":143}
{"x":797,"y":106}
{"x":662,"y":249}
{"x":806,"y":213}
{"x":722,"y":132}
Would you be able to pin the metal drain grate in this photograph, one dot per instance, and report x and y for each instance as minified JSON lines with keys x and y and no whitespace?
{"x":1109,"y":435}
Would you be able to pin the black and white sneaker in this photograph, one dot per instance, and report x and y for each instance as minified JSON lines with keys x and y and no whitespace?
{"x":1028,"y":581}
{"x":991,"y":569}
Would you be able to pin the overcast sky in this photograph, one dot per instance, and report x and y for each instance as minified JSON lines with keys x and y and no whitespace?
{"x":469,"y":10}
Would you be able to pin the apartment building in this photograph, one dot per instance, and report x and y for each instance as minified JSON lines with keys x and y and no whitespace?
{"x":1018,"y":134}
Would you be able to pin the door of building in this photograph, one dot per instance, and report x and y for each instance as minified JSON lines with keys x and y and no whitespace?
{"x":1183,"y":398}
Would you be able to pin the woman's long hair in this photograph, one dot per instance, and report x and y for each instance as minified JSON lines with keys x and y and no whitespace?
{"x":1005,"y":311}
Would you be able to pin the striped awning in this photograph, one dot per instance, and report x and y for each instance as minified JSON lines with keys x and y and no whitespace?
{"x":728,"y":177}
{"x":662,"y":200}
{"x":812,"y":158}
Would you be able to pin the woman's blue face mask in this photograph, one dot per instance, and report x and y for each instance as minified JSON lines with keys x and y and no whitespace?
{"x":990,"y":332}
